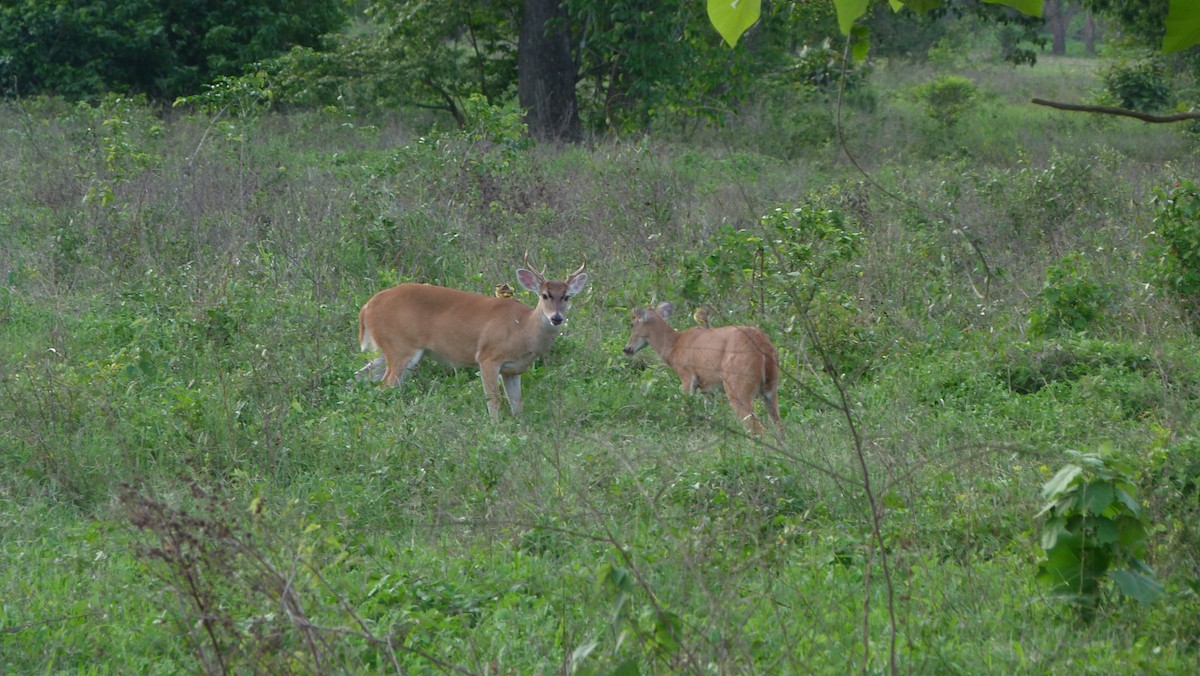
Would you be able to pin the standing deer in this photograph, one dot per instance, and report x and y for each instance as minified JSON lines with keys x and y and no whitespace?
{"x":738,"y":359}
{"x":502,"y":336}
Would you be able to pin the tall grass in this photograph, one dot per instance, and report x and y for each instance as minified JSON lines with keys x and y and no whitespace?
{"x":193,"y":480}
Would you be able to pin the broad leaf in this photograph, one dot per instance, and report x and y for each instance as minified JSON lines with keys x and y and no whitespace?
{"x":1050,"y":532}
{"x":849,"y":11}
{"x":918,"y":6}
{"x":1096,"y":497}
{"x":1139,"y":587}
{"x":731,"y":18}
{"x":1061,"y":480}
{"x":1106,"y":530}
{"x":1183,"y":25}
{"x":1030,"y":7}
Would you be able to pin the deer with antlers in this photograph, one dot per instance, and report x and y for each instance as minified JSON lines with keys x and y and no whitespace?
{"x":502,"y":336}
{"x":737,"y":359}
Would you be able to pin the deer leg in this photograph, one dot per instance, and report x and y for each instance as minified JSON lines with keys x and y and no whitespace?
{"x":373,"y":371}
{"x":490,"y":372}
{"x":512,"y":389}
{"x":398,"y":369}
{"x":772,"y":401}
{"x":743,"y":406}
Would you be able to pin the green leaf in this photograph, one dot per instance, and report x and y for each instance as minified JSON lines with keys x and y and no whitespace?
{"x":731,"y":18}
{"x":849,"y":11}
{"x":1106,"y":530}
{"x":1051,"y":532}
{"x":918,"y":6}
{"x":1096,"y":497}
{"x":1030,"y":7}
{"x":862,"y":42}
{"x":1183,"y":25}
{"x":1061,"y":480}
{"x":1139,"y":587}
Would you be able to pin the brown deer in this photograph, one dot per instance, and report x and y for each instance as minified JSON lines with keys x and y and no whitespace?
{"x":738,"y":359}
{"x":502,"y":336}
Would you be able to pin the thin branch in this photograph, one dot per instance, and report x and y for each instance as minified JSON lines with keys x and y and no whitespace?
{"x":1123,"y":112}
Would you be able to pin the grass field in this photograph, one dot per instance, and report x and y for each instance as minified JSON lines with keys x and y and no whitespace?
{"x":192,"y":480}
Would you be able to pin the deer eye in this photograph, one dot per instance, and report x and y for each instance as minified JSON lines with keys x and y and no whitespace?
{"x":566,"y":298}
{"x":546,"y":296}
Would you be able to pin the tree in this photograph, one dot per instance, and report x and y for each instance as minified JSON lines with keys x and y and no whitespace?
{"x":162,"y":48}
{"x":546,"y":73}
{"x":1058,"y":14}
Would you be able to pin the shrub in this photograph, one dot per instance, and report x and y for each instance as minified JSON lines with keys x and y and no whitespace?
{"x":1094,"y":526}
{"x":1071,"y":299}
{"x":947,"y":98}
{"x":1138,"y":85}
{"x":1175,"y":255}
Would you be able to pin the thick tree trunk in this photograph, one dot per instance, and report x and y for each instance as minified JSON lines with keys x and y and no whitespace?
{"x":546,"y":73}
{"x":1058,"y":15}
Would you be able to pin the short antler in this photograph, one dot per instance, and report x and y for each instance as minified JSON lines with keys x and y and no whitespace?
{"x":581,"y":267}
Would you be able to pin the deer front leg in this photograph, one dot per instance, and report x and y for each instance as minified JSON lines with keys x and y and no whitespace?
{"x":490,"y":372}
{"x":373,"y":371}
{"x":512,"y":389}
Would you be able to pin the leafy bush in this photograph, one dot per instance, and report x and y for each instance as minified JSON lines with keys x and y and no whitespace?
{"x":1138,"y":85}
{"x":1071,"y":299}
{"x":947,"y":98}
{"x":1094,"y":527}
{"x":1175,"y":255}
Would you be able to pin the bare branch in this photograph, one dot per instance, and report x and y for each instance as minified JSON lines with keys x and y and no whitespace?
{"x":1124,"y":112}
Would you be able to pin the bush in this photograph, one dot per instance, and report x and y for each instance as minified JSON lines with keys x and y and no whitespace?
{"x":1175,"y":255}
{"x":1138,"y":85}
{"x":947,"y":98}
{"x":1071,"y":299}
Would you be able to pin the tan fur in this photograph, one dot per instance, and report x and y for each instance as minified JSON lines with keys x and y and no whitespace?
{"x":737,"y":359}
{"x":502,"y":336}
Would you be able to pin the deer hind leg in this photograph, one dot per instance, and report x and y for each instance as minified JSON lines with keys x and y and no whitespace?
{"x":373,"y":371}
{"x":771,"y":398}
{"x":512,"y":389}
{"x":398,"y":369}
{"x":743,"y":406}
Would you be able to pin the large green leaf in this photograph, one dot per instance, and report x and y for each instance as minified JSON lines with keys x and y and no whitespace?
{"x":849,"y":11}
{"x":1141,"y":588}
{"x":1096,"y":497}
{"x":1183,"y":25}
{"x":1030,"y":7}
{"x":731,"y":18}
{"x":1061,"y":480}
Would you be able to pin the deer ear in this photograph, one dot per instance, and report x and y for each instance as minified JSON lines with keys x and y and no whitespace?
{"x":665,"y":309}
{"x":575,"y":284}
{"x":530,"y":280}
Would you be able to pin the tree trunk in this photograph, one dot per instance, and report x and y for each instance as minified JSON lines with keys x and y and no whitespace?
{"x":546,"y":73}
{"x":1090,"y":33}
{"x":1058,"y":15}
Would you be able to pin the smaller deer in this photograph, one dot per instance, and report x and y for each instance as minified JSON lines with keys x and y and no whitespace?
{"x":738,"y":359}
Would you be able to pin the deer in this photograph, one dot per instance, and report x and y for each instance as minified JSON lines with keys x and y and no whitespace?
{"x":501,"y":336}
{"x":737,"y":359}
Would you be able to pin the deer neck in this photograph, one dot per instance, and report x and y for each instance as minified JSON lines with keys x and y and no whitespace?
{"x":663,"y":338}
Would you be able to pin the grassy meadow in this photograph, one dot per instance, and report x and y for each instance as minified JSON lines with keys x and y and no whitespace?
{"x":192,"y":480}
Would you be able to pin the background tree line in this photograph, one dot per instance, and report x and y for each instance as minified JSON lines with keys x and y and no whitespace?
{"x":572,"y":65}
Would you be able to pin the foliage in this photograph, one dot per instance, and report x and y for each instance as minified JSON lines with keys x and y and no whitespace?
{"x":163,"y":49}
{"x":1071,"y":299}
{"x":947,"y":98}
{"x":1175,"y":256}
{"x":1094,"y":528}
{"x":1140,"y":84}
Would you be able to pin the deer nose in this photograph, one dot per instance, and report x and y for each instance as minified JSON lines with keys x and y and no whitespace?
{"x":628,"y":350}
{"x":556,"y":319}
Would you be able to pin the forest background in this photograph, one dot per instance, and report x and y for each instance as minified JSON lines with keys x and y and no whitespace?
{"x":986,"y":311}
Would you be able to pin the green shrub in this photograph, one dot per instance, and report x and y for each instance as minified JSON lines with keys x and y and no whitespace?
{"x":947,"y":98}
{"x":1071,"y":299}
{"x":1094,"y":526}
{"x":1138,"y":85}
{"x":1175,"y":254}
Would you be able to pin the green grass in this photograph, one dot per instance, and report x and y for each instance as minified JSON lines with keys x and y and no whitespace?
{"x":190,"y":477}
